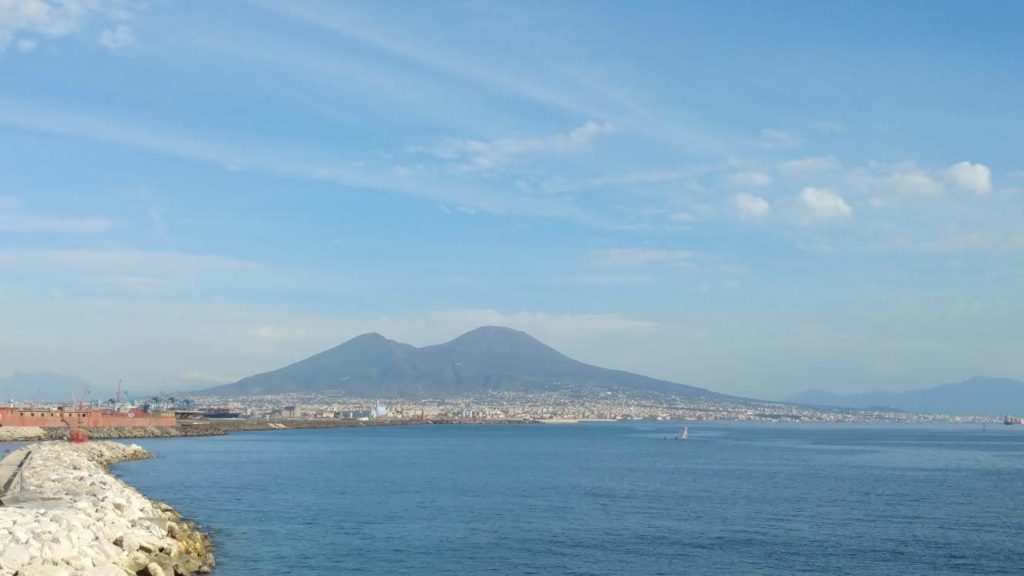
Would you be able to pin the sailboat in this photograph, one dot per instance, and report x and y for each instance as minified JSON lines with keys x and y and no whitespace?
{"x":683,"y":434}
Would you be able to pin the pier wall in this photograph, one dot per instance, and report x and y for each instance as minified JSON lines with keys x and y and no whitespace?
{"x":62,"y":418}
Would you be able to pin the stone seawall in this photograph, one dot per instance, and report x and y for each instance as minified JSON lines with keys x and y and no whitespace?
{"x":75,"y":518}
{"x":21,"y":433}
{"x":220,"y":427}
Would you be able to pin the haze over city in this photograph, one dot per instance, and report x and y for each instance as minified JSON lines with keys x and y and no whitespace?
{"x":747,"y":198}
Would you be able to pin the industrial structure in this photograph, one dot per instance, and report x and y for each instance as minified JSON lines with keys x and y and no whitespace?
{"x":62,"y":416}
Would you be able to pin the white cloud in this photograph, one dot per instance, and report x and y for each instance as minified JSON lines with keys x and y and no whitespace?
{"x":914,"y":181}
{"x":778,"y":139}
{"x":25,"y":45}
{"x":483,"y":155}
{"x":749,"y":179}
{"x":13,"y":218}
{"x":117,"y":38}
{"x":887,"y":185}
{"x":820,"y":205}
{"x":639,"y":257}
{"x":24,"y":21}
{"x":750,"y":207}
{"x":810,"y":166}
{"x":975,"y":178}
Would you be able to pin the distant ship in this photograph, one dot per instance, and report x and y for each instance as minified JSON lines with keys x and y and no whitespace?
{"x":683,"y":434}
{"x":1013,"y":420}
{"x":219,"y":413}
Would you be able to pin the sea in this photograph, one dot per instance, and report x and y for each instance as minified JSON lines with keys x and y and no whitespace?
{"x":601,"y":498}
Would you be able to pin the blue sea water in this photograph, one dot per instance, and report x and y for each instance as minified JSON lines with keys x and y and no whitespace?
{"x":609,"y":498}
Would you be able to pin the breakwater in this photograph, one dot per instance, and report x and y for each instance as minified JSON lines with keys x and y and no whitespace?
{"x":71,"y":516}
{"x":220,"y":427}
{"x":22,"y":433}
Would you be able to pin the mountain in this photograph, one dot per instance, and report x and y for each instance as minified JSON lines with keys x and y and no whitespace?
{"x":487,"y":359}
{"x":980,"y":395}
{"x":45,"y":387}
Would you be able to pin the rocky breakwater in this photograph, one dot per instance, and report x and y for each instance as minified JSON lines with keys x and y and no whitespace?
{"x":20,"y":433}
{"x":78,"y":519}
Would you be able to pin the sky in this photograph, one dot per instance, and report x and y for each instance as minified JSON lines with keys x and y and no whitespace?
{"x":756,"y":198}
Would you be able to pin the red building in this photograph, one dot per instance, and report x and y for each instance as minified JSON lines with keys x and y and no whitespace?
{"x":62,"y":417}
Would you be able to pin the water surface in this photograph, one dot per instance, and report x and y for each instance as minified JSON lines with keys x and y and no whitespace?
{"x":601,"y":499}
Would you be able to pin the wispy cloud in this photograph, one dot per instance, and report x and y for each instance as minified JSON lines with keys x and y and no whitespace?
{"x":331,"y":17}
{"x":472,"y":155}
{"x":776,"y":139}
{"x":203,"y":377}
{"x":117,"y":38}
{"x":124,"y":272}
{"x":748,"y":179}
{"x":30,"y":117}
{"x":810,"y":166}
{"x":640,"y":257}
{"x":121,"y":261}
{"x":14,"y":218}
{"x":298,"y":164}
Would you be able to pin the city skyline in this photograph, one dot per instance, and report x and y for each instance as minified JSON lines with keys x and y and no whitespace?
{"x":751,"y":199}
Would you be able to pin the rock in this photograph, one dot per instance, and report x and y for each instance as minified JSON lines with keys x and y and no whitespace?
{"x":19,"y":535}
{"x":135,"y":562}
{"x":107,"y":569}
{"x":79,"y":563}
{"x":17,"y":433}
{"x":189,"y":565}
{"x":149,"y":546}
{"x":165,"y":562}
{"x":130,"y":543}
{"x":43,"y":570}
{"x":95,"y":524}
{"x":14,"y":557}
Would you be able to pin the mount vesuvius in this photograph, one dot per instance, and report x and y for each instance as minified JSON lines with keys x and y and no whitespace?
{"x":484,"y":360}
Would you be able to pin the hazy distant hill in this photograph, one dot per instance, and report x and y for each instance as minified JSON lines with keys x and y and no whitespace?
{"x":486,"y":359}
{"x":979,"y":395}
{"x":46,"y":387}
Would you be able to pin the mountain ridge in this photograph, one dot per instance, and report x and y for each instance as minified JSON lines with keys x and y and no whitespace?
{"x":486,"y":359}
{"x":978,"y":395}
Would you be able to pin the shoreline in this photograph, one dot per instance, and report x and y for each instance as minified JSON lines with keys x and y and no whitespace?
{"x":189,"y":428}
{"x":195,"y":428}
{"x":71,"y":515}
{"x":223,"y":427}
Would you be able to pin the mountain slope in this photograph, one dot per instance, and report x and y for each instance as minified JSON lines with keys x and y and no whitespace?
{"x":483,"y":360}
{"x":46,"y":387}
{"x":977,"y":396}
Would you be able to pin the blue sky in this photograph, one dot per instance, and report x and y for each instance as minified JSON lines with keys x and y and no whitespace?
{"x":753,"y":197}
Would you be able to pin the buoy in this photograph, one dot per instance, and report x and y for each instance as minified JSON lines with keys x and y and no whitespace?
{"x":78,"y":436}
